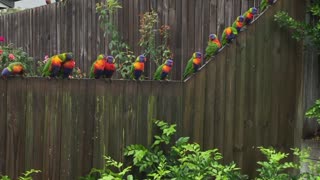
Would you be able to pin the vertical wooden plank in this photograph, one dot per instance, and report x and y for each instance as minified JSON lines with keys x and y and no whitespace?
{"x":241,"y":101}
{"x":3,"y":125}
{"x":142,"y":121}
{"x":68,"y":123}
{"x":177,"y":51}
{"x":188,"y":110}
{"x":128,"y":112}
{"x":220,"y":102}
{"x":198,"y":32}
{"x":220,"y":17}
{"x":191,"y":27}
{"x":199,"y":109}
{"x":228,"y":13}
{"x":210,"y":108}
{"x":15,"y":143}
{"x":116,"y":122}
{"x":185,"y":54}
{"x":101,"y":119}
{"x":230,"y":117}
{"x":35,"y":112}
{"x":89,"y":56}
{"x":249,"y":124}
{"x":52,"y":129}
{"x":205,"y":24}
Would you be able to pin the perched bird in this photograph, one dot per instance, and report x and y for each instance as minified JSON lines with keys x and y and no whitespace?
{"x":137,"y":67}
{"x":48,"y":1}
{"x":228,"y":35}
{"x":248,"y":15}
{"x":109,"y":67}
{"x":53,"y":65}
{"x":67,"y":68}
{"x":213,"y":46}
{"x":193,"y":64}
{"x":15,"y":68}
{"x":265,"y":3}
{"x":238,"y":23}
{"x":163,"y":70}
{"x":98,"y":66}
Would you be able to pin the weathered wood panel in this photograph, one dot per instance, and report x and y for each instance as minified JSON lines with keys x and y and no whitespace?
{"x":74,"y":26}
{"x":244,"y":97}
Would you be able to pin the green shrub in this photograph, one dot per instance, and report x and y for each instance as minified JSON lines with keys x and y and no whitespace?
{"x":9,"y":54}
{"x":163,"y":160}
{"x":26,"y":176}
{"x":314,"y":111}
{"x":118,"y":48}
{"x":303,"y":30}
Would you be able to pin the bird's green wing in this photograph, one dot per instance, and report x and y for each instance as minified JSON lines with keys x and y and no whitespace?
{"x":234,"y":31}
{"x":223,"y":39}
{"x":45,"y":71}
{"x":234,"y":24}
{"x":211,"y":50}
{"x":189,"y":69}
{"x":132,"y":71}
{"x":263,"y":5}
{"x":91,"y":75}
{"x":157,"y":74}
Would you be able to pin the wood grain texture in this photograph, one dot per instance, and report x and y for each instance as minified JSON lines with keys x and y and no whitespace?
{"x":242,"y":98}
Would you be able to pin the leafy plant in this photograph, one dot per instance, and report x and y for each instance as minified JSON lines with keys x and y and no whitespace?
{"x":26,"y":176}
{"x":182,"y":160}
{"x":273,"y":169}
{"x":107,"y":173}
{"x":9,"y":54}
{"x":147,"y":30}
{"x":118,"y":48}
{"x":303,"y":30}
{"x":314,"y":111}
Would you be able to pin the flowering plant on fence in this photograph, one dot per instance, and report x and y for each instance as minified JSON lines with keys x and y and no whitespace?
{"x":9,"y":54}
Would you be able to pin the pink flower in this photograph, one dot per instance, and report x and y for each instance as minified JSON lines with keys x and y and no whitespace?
{"x":11,"y":57}
{"x":46,"y":57}
{"x":1,"y":51}
{"x":2,"y":39}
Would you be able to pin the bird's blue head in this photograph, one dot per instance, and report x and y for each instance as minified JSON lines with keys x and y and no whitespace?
{"x":212,"y":37}
{"x":69,"y":56}
{"x":271,"y":1}
{"x":254,"y":10}
{"x":110,"y":59}
{"x":240,"y":18}
{"x":169,"y":62}
{"x":142,"y":58}
{"x":198,"y":55}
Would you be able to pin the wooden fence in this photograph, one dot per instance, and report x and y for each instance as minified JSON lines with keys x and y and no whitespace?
{"x":249,"y":95}
{"x":57,"y":28}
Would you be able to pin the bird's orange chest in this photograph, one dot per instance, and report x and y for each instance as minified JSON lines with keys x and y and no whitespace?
{"x":138,"y":66}
{"x":17,"y":69}
{"x":100,"y":64}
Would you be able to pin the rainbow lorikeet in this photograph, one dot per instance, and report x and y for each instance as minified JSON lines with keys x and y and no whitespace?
{"x":213,"y":46}
{"x":163,"y":70}
{"x":137,"y":67}
{"x":109,"y":67}
{"x":97,"y":68}
{"x":193,"y":64}
{"x":248,"y":15}
{"x":238,"y":23}
{"x":15,"y":68}
{"x":265,"y":3}
{"x":228,"y":35}
{"x":67,"y":68}
{"x":53,"y":65}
